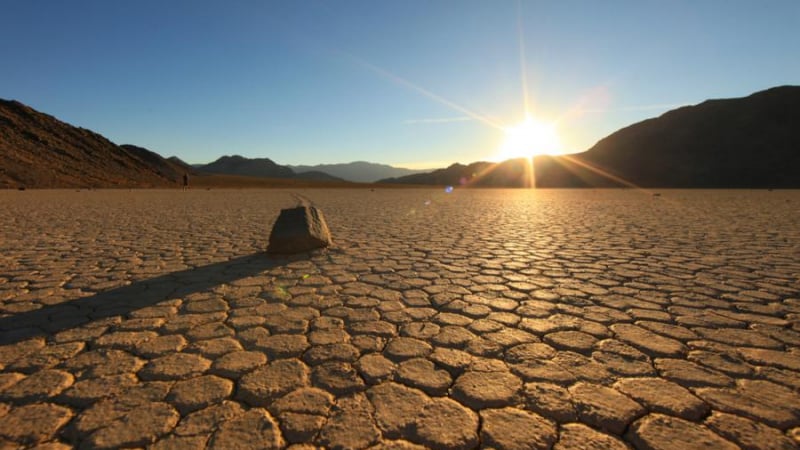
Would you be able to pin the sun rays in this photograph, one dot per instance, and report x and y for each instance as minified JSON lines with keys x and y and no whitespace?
{"x":530,"y":138}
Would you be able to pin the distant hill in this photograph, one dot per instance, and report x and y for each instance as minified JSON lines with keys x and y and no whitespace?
{"x":254,"y":167}
{"x":183,"y":165}
{"x":359,"y":171}
{"x":316,"y":175}
{"x":171,"y":167}
{"x":259,"y":167}
{"x":749,"y":142}
{"x":37,"y":150}
{"x":511,"y":173}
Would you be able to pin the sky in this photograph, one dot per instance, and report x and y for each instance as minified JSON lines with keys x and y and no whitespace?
{"x":418,"y":84}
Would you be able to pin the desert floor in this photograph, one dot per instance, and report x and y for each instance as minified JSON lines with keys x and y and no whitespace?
{"x":493,"y":318}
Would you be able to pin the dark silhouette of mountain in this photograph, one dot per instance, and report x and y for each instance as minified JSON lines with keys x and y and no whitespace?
{"x":744,"y":142}
{"x":749,"y":142}
{"x":37,"y":150}
{"x":359,"y":171}
{"x":511,"y":173}
{"x":254,"y":167}
{"x":259,"y":167}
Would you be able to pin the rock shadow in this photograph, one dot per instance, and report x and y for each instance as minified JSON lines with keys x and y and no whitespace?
{"x":121,"y":301}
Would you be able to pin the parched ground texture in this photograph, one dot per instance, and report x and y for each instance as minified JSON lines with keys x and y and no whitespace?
{"x":602,"y":319}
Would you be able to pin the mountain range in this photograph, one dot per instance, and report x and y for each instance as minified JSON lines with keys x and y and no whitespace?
{"x":749,"y":142}
{"x":359,"y":171}
{"x":259,"y":167}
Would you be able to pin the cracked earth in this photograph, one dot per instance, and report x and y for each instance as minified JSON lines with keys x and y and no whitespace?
{"x":480,"y":318}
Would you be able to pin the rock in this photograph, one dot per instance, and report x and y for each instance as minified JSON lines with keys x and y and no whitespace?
{"x":174,"y":366}
{"x":747,"y":433}
{"x":103,"y":362}
{"x":396,"y":407}
{"x":575,"y":436}
{"x":648,"y":342}
{"x":351,"y":424}
{"x":480,"y":390}
{"x":253,"y":429}
{"x":550,"y":400}
{"x":396,"y":445}
{"x":161,"y":345}
{"x":34,"y":423}
{"x":39,"y":386}
{"x":604,"y":408}
{"x":423,"y":374}
{"x":337,"y":377}
{"x":662,"y":396}
{"x":761,"y":401}
{"x":86,"y":392}
{"x":180,"y":443}
{"x":512,"y":428}
{"x":304,"y":400}
{"x":689,"y":374}
{"x":135,"y":428}
{"x":374,"y":368}
{"x":207,"y":420}
{"x":234,"y":364}
{"x":300,"y":427}
{"x":577,"y":341}
{"x":266,"y":384}
{"x":319,"y":354}
{"x":402,"y":348}
{"x":299,"y":230}
{"x":445,"y":424}
{"x":198,"y":393}
{"x":657,"y":431}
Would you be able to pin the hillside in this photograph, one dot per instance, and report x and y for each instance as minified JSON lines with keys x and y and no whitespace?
{"x":750,"y":142}
{"x":38,"y":150}
{"x":359,"y":171}
{"x":253,"y":167}
{"x":743,"y":143}
{"x":260,"y":167}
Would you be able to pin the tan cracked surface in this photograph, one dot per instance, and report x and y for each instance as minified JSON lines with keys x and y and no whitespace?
{"x":495,"y":318}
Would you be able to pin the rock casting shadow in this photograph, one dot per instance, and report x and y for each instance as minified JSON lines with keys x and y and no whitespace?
{"x":51,"y":319}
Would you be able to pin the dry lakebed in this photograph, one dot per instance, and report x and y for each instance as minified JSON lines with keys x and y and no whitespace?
{"x":469,"y":318}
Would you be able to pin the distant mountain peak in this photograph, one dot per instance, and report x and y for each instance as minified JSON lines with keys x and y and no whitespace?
{"x":259,"y":167}
{"x":358,"y":171}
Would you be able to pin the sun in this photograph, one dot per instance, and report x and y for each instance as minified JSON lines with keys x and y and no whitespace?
{"x":529,"y":138}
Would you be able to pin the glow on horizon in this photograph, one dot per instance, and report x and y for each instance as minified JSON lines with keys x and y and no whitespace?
{"x":529,"y":138}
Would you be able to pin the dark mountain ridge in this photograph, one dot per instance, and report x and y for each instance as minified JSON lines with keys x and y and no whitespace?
{"x":254,"y":167}
{"x":752,"y":141}
{"x":259,"y":167}
{"x":358,"y":171}
{"x":38,"y":150}
{"x":749,"y":142}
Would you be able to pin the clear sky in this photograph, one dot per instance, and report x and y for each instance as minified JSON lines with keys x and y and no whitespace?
{"x":409,"y":83}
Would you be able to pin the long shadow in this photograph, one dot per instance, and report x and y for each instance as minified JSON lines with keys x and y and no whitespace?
{"x":121,"y":301}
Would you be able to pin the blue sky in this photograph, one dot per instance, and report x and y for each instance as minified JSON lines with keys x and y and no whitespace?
{"x":397,"y":82}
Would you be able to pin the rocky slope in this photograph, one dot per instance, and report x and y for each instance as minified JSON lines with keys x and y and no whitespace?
{"x":37,"y":150}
